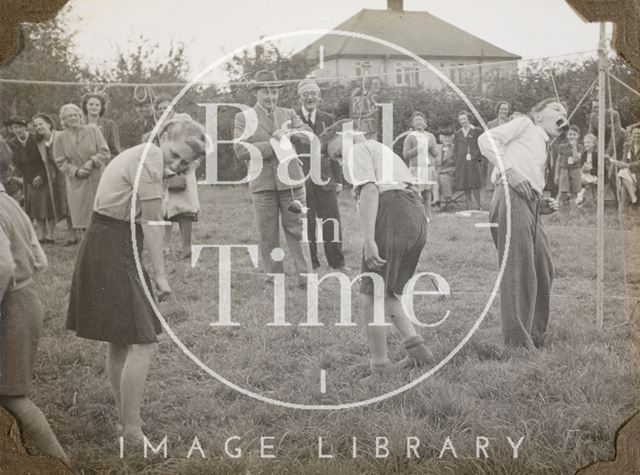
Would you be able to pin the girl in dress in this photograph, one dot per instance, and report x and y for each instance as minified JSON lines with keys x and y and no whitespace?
{"x":108,"y":301}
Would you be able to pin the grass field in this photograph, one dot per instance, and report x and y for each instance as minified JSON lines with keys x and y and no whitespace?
{"x":566,"y":400}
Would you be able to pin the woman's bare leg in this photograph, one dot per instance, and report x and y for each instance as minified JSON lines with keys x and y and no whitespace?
{"x":116,"y":357}
{"x":167,"y":238}
{"x":186,"y":225}
{"x":132,"y":384}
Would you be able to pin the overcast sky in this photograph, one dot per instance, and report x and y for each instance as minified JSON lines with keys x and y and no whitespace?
{"x":531,"y":29}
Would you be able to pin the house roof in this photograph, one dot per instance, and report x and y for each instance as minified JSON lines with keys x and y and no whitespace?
{"x":419,"y":32}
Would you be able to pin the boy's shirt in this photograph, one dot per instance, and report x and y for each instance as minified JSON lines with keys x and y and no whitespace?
{"x":372,"y":162}
{"x":566,"y":158}
{"x":18,"y":245}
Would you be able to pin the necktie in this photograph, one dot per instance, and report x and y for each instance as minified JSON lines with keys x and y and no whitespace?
{"x":548,"y":162}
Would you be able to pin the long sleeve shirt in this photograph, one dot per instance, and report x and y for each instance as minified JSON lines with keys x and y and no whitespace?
{"x":521,"y":145}
{"x":20,"y":253}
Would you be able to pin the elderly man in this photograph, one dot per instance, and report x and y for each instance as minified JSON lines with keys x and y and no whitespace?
{"x":322,"y":198}
{"x":525,"y":287}
{"x":273,"y":200}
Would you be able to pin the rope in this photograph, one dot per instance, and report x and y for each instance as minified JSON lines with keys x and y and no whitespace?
{"x":555,"y":88}
{"x":284,"y":81}
{"x":624,"y":84}
{"x":612,"y":137}
{"x":586,"y":94}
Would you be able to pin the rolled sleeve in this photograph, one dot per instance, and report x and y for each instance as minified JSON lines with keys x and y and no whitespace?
{"x":151,"y":184}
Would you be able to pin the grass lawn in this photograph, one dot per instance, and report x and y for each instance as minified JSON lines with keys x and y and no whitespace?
{"x":566,"y":401}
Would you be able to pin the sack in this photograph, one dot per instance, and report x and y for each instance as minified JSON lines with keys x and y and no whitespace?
{"x":177,"y":183}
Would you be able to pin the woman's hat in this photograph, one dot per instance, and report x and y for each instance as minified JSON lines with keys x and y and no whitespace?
{"x":17,"y":119}
{"x":264,"y":78}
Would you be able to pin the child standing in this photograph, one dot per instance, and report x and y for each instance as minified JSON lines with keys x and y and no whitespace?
{"x":589,"y":171}
{"x":568,"y":171}
{"x":446,"y":169}
{"x":21,"y":315}
{"x":394,"y":229}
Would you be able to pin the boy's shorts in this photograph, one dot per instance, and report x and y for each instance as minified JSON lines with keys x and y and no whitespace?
{"x":401,"y":234}
{"x":21,"y":317}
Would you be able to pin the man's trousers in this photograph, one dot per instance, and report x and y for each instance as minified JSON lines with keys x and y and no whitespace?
{"x":269,"y":209}
{"x":525,"y":288}
{"x":323,"y":205}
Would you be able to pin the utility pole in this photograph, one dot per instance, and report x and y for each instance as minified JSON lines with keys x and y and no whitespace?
{"x":602,"y":72}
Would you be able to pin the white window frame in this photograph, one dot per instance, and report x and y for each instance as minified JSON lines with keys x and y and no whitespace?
{"x":407,"y":73}
{"x":363,"y":68}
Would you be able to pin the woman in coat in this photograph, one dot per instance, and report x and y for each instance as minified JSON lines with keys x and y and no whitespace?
{"x":56,"y":182}
{"x":80,"y":152}
{"x":467,"y":154}
{"x":26,"y":158}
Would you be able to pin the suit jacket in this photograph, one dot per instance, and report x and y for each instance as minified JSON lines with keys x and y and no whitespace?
{"x":267,"y":179}
{"x":330,"y":169}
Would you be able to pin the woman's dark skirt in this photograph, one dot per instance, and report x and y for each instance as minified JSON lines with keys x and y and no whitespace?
{"x":401,"y":234}
{"x":468,"y":175}
{"x":107,"y":300}
{"x":37,"y":202}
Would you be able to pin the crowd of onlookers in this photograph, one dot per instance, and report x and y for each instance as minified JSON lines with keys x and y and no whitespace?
{"x":54,"y":173}
{"x":454,"y":168}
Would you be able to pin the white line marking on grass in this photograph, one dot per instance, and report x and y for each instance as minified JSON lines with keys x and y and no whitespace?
{"x":323,"y":381}
{"x":486,"y":225}
{"x":159,"y":223}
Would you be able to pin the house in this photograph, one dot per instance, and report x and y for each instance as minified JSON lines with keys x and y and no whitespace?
{"x":460,"y":55}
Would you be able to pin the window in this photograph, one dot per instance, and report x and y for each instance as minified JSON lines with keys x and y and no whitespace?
{"x":407,"y":73}
{"x":363,"y":68}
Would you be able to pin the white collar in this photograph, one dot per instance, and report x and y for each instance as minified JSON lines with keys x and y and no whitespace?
{"x":309,"y":115}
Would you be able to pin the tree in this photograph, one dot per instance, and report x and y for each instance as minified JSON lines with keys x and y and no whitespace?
{"x":47,"y":55}
{"x":143,"y":66}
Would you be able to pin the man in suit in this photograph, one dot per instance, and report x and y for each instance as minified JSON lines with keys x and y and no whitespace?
{"x":322,"y":195}
{"x":273,"y":200}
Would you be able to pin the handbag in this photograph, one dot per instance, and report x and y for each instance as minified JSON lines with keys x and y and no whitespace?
{"x":177,"y":183}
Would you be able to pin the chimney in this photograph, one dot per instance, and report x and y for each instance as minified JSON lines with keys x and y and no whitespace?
{"x":395,"y":5}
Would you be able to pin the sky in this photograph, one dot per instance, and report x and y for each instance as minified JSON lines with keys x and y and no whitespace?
{"x":531,"y":29}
